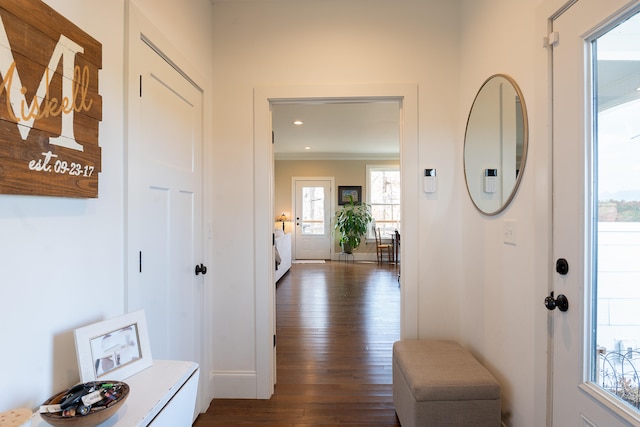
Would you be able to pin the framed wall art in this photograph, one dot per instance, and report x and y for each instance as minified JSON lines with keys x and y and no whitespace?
{"x":347,"y":193}
{"x":51,"y":107}
{"x":113,"y":349}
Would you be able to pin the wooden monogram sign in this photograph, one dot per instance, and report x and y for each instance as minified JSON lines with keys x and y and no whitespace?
{"x":50,"y":108}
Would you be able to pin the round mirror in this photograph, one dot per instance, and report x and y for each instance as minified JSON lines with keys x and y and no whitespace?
{"x":495,"y":144}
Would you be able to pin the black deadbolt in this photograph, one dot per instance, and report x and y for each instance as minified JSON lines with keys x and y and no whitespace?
{"x":562,"y":266}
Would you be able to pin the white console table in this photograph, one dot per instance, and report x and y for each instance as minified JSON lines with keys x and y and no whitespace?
{"x":163,"y":395}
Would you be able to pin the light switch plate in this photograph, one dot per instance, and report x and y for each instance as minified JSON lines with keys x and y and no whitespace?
{"x":509,"y":232}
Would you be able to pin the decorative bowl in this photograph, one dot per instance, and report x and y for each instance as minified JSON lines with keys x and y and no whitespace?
{"x":114,"y":393}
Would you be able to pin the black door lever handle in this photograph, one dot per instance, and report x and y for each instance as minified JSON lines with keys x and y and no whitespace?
{"x":561,"y":302}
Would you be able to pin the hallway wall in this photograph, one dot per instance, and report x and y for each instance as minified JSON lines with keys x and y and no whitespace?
{"x":502,"y":319}
{"x":62,"y":260}
{"x":292,"y":43}
{"x":467,"y":276}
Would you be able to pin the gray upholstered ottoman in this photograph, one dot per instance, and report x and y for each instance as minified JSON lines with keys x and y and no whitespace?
{"x":439,"y":383}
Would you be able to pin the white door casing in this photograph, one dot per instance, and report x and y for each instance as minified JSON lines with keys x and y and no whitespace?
{"x":575,"y":400}
{"x":264,"y":97}
{"x":164,"y":199}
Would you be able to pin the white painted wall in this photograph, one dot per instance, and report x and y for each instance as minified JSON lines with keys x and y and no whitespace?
{"x":61,"y":259}
{"x":288,"y":43}
{"x":472,"y":287}
{"x":502,"y":318}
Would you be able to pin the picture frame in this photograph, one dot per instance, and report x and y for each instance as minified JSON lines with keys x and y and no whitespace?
{"x":114,"y":349}
{"x":344,"y":191}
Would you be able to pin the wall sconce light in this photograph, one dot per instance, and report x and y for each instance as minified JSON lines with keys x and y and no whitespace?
{"x":284,"y":217}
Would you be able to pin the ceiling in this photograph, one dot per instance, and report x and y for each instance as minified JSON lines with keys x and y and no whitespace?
{"x":337,"y":130}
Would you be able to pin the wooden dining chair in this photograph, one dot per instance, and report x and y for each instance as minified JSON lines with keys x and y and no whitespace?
{"x":381,"y":248}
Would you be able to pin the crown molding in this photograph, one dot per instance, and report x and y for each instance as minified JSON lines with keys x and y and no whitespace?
{"x":337,"y":156}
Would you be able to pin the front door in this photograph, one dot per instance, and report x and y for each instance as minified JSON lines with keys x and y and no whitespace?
{"x":312,"y":218}
{"x":596,"y":209}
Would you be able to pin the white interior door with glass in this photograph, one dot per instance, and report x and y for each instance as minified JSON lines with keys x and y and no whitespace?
{"x":595,"y":304}
{"x":312,"y":217}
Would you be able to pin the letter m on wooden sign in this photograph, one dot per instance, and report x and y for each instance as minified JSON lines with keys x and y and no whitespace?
{"x":50,"y":108}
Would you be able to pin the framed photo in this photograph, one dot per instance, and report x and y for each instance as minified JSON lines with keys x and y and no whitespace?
{"x":345,"y":193}
{"x":113,"y":349}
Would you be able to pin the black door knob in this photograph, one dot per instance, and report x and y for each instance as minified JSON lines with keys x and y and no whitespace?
{"x":562,"y":303}
{"x":201,"y":269}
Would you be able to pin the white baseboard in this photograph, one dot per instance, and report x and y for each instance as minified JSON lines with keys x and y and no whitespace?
{"x":233,"y":384}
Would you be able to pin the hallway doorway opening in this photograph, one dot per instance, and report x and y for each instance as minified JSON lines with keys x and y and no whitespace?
{"x":265,"y":98}
{"x":352,"y":142}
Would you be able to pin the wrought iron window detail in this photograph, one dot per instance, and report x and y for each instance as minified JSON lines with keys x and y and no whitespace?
{"x":618,"y":374}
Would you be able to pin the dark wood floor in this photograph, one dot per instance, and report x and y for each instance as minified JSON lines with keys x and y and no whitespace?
{"x":336,"y":324}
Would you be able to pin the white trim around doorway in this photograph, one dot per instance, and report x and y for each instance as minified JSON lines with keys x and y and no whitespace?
{"x":264,"y":98}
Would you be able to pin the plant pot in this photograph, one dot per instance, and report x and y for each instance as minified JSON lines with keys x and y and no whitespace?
{"x":346,"y":248}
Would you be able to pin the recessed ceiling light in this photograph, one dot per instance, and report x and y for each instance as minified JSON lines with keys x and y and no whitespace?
{"x":307,"y":148}
{"x":298,"y":122}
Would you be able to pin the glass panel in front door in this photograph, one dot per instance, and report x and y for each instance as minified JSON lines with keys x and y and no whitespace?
{"x":615,"y":258}
{"x":312,"y":220}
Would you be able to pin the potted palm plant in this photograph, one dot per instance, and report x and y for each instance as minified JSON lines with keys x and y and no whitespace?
{"x":352,"y":221}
